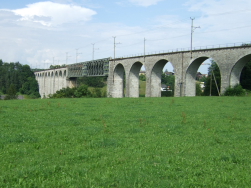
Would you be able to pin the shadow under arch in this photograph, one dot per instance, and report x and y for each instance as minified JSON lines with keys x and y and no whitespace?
{"x":155,"y":78}
{"x":118,"y":81}
{"x":133,"y":80}
{"x":237,"y":69}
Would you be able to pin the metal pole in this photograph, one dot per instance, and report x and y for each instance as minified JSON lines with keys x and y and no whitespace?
{"x":144,"y":49}
{"x":216,"y":83}
{"x":192,"y":30}
{"x":211,"y":85}
{"x":93,"y":51}
{"x":66,"y":58}
{"x":191,"y":47}
{"x":114,"y":46}
{"x":77,"y":55}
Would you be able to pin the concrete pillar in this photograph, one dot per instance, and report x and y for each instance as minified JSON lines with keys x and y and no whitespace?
{"x":118,"y":82}
{"x":132,"y":89}
{"x":155,"y":79}
{"x":52,"y":82}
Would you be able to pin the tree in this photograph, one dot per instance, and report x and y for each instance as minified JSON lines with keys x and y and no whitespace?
{"x":168,"y":80}
{"x":11,"y":93}
{"x":213,"y":76}
{"x":82,"y":91}
{"x":198,"y":89}
{"x":57,"y":66}
{"x":30,"y":87}
{"x":142,"y":77}
{"x":21,"y":76}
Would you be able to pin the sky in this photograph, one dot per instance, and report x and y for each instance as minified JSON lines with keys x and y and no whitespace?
{"x":41,"y":33}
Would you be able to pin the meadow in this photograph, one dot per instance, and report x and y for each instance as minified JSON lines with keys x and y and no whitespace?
{"x":128,"y":142}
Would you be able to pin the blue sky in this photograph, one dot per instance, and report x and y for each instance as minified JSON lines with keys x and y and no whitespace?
{"x":37,"y":32}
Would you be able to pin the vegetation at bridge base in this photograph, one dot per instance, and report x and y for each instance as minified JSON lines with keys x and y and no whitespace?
{"x":129,"y":142}
{"x":18,"y":78}
{"x":79,"y":92}
{"x":237,"y":90}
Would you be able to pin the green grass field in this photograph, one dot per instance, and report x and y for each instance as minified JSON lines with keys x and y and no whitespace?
{"x":144,"y":142}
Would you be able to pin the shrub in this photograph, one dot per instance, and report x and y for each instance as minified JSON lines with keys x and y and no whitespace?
{"x":237,"y":90}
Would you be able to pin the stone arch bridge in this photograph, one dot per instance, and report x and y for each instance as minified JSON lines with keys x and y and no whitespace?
{"x":230,"y":60}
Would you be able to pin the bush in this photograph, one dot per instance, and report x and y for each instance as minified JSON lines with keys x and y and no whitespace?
{"x":82,"y":91}
{"x":237,"y":90}
{"x":97,"y":93}
{"x":166,"y":94}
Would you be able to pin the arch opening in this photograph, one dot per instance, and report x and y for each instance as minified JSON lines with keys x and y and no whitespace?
{"x":134,"y":83}
{"x":202,"y":78}
{"x":240,"y":73}
{"x":162,"y":79}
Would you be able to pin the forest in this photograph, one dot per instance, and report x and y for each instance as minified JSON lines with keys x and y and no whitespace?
{"x":15,"y":79}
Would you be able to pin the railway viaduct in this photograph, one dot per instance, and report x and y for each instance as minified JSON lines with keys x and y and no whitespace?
{"x":230,"y":60}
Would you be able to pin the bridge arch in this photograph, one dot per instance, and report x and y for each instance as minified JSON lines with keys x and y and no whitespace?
{"x":155,"y":78}
{"x":237,"y":69}
{"x":118,"y":81}
{"x":133,"y":80}
{"x":190,"y":75}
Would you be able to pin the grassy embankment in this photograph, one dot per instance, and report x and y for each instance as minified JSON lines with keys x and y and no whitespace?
{"x":144,"y":142}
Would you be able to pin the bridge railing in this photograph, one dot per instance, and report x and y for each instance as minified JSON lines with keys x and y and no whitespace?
{"x":228,"y":45}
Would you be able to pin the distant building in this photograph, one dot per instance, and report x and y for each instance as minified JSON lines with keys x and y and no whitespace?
{"x":199,"y":75}
{"x":142,"y":72}
{"x":168,"y":73}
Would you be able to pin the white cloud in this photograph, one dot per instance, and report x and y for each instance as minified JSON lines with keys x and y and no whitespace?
{"x":32,"y":41}
{"x":145,"y":3}
{"x":52,"y":14}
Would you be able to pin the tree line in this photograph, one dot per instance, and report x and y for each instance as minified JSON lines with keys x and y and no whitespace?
{"x":16,"y":78}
